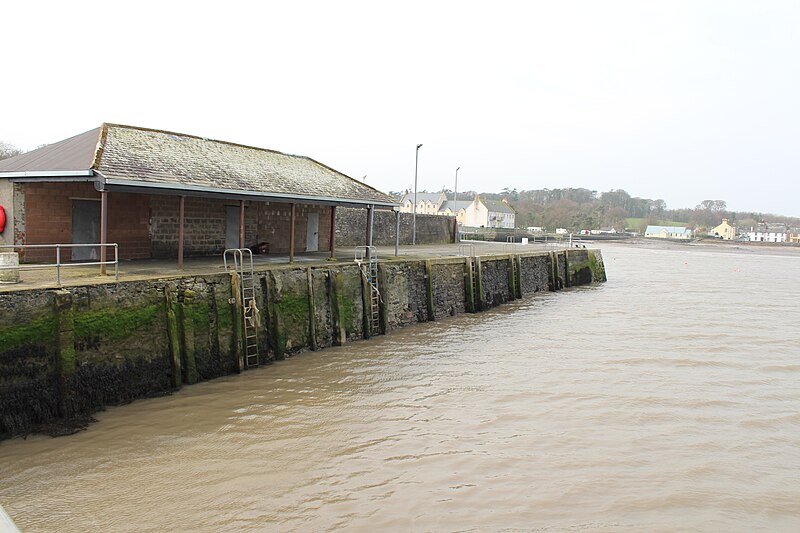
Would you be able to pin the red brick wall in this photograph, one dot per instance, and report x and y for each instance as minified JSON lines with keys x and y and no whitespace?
{"x":48,"y":219}
{"x":146,"y":226}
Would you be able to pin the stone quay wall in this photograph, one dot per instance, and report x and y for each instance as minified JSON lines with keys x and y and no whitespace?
{"x":67,"y":353}
{"x":351,"y":228}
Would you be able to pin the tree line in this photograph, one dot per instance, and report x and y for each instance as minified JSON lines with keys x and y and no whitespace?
{"x":579,"y":209}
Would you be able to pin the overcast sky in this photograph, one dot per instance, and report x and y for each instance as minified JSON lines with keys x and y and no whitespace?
{"x":683,"y":101}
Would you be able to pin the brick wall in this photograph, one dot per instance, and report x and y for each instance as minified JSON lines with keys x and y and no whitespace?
{"x":48,"y":219}
{"x":146,"y":226}
{"x":274,"y":220}
{"x":205,"y":224}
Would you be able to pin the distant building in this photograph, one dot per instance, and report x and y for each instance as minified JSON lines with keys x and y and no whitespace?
{"x":768,"y":233}
{"x":435,"y":204}
{"x":724,"y":231}
{"x":535,"y":229}
{"x":489,"y":214}
{"x":668,"y":232}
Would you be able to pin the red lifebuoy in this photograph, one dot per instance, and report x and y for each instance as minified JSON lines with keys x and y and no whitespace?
{"x":2,"y":219}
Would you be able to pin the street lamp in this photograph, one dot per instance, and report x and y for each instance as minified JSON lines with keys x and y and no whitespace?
{"x":455,"y":206}
{"x":414,"y":212}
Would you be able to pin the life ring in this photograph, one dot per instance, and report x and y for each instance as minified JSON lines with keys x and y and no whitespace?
{"x":2,"y":219}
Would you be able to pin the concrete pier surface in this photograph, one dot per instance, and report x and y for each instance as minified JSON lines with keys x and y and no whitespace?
{"x":145,"y":269}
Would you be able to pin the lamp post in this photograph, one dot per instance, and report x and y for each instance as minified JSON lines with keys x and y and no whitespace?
{"x":455,"y":207}
{"x":414,"y":212}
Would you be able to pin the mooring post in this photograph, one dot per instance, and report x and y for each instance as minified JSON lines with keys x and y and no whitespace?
{"x":186,"y":320}
{"x":312,"y":315}
{"x":174,"y":336}
{"x":512,"y":282}
{"x":335,"y":289}
{"x":277,"y":336}
{"x":481,"y":300}
{"x":383,"y":304}
{"x":566,"y":269}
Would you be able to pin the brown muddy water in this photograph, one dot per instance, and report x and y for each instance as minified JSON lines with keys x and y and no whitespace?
{"x":667,"y":399}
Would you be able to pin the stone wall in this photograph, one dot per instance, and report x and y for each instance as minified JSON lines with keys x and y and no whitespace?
{"x":351,"y":228}
{"x":65,"y":354}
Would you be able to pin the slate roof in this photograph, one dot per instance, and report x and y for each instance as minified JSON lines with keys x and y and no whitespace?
{"x":132,"y":157}
{"x":432,"y":197}
{"x":496,"y":206}
{"x":462,"y":204}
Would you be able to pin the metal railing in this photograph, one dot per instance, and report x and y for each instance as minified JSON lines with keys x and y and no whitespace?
{"x":58,"y":265}
{"x":466,"y":250}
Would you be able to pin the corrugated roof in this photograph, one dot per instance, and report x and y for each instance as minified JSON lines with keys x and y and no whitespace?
{"x":144,"y":157}
{"x":669,"y":229}
{"x":75,"y":153}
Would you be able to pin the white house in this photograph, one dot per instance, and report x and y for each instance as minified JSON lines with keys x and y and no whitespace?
{"x":489,"y":214}
{"x":668,"y":232}
{"x":768,"y":233}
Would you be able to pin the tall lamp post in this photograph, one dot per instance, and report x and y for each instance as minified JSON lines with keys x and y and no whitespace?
{"x":414,"y":212}
{"x":455,"y":207}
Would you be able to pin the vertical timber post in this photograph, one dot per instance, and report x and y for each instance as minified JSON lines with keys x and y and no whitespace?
{"x":335,"y":289}
{"x":429,"y":290}
{"x":481,"y":297}
{"x":312,"y":316}
{"x":519,"y":276}
{"x":65,"y":348}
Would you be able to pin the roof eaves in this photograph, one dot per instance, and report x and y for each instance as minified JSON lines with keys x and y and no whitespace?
{"x":175,"y":188}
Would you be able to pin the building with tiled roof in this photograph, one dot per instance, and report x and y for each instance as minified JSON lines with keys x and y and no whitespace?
{"x":158,"y":193}
{"x":489,"y":214}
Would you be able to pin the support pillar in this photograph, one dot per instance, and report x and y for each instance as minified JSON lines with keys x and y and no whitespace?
{"x":181,"y":212}
{"x":396,"y":233}
{"x":103,"y":230}
{"x":370,"y":224}
{"x":241,"y":223}
{"x":292,"y":219}
{"x":332,"y":245}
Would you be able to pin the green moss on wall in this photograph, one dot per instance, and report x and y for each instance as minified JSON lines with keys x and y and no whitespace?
{"x":293,"y":310}
{"x":347,"y":310}
{"x":115,"y":324}
{"x":39,"y":331}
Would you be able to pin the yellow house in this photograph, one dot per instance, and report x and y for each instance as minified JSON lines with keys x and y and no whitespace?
{"x":724,"y":231}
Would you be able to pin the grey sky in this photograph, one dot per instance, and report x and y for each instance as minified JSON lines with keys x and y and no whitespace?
{"x":683,"y":101}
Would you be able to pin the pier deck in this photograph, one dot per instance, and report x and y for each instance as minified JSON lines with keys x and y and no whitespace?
{"x":136,"y":270}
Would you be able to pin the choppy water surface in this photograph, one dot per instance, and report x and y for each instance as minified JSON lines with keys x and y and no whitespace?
{"x":667,"y":399}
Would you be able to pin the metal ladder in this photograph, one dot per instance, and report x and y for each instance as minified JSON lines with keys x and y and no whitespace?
{"x":369,"y":269}
{"x":515,"y":276}
{"x":243,"y":266}
{"x":473,"y":267}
